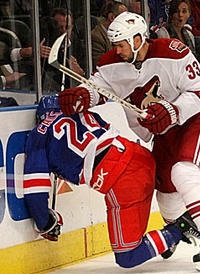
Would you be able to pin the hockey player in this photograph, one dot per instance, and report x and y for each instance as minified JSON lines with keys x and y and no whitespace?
{"x":82,"y":148}
{"x":161,"y":76}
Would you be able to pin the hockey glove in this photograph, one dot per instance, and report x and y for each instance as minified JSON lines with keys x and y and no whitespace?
{"x":161,"y":116}
{"x":74,"y":100}
{"x":53,"y":227}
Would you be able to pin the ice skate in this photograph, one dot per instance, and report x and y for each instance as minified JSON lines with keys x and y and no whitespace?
{"x":169,"y":252}
{"x":187,"y":226}
{"x":188,"y":229}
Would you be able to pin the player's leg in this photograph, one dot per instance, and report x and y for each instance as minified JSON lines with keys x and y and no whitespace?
{"x":129,"y":199}
{"x":178,"y":146}
{"x":171,"y":205}
{"x":185,"y":173}
{"x":128,"y":208}
{"x":186,"y":178}
{"x":156,"y":242}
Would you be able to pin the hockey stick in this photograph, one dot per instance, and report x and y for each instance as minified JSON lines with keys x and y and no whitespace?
{"x":55,"y":181}
{"x":53,"y":60}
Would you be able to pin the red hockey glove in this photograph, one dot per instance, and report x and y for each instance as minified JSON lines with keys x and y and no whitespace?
{"x":161,"y":115}
{"x":53,"y":228}
{"x":74,"y":100}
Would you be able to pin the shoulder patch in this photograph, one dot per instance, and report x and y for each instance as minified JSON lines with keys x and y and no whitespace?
{"x":177,"y":45}
{"x":167,"y":48}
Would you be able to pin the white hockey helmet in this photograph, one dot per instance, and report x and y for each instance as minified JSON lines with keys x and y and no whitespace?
{"x":125,"y":26}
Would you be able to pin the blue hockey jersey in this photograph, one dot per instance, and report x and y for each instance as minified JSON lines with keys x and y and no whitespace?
{"x":66,"y":146}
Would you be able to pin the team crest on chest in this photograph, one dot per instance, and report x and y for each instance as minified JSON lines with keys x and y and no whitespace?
{"x":147,"y":94}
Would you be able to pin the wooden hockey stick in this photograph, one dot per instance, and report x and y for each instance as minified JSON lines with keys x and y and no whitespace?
{"x":53,"y":60}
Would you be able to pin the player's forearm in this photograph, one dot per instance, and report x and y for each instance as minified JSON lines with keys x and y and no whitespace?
{"x":188,"y":105}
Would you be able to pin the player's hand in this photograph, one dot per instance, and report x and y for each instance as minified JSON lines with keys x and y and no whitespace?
{"x":161,"y":116}
{"x":53,"y":228}
{"x":74,"y":100}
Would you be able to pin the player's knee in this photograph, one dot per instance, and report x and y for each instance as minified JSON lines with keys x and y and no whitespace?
{"x":185,"y":173}
{"x":171,"y":205}
{"x":125,"y":259}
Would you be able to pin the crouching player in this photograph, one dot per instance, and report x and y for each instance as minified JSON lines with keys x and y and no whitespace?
{"x":82,"y":148}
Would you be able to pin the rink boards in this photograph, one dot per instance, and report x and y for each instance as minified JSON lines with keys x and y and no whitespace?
{"x":84,"y":231}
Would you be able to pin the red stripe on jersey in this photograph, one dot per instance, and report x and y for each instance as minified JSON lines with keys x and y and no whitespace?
{"x":158,"y":241}
{"x":104,"y":144}
{"x":37,"y":182}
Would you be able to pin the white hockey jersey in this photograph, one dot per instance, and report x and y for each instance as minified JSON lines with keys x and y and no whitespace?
{"x":170,"y":72}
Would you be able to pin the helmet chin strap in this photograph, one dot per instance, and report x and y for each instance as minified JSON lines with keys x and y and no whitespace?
{"x":135,"y":51}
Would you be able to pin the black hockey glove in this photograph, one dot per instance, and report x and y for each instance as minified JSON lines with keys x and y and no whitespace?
{"x":53,"y":227}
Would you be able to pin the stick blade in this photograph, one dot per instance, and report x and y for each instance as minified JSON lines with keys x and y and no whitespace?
{"x":53,"y":56}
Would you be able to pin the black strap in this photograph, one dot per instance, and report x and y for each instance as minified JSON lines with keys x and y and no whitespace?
{"x":99,"y":157}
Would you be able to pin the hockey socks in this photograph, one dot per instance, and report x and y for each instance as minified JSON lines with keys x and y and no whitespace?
{"x":153,"y":244}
